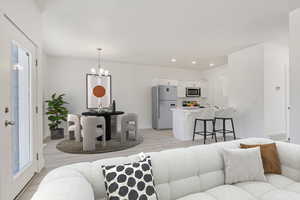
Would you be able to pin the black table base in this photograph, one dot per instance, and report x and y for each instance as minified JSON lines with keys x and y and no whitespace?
{"x":100,"y":138}
{"x":107,"y":117}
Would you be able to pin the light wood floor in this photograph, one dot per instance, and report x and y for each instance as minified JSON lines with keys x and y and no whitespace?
{"x":153,"y":141}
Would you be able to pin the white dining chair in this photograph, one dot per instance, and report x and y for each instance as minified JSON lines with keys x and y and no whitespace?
{"x":92,"y":127}
{"x":129,"y":124}
{"x":74,"y":127}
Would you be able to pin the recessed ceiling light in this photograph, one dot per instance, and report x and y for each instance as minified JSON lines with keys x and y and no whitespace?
{"x":194,"y":62}
{"x":211,"y":64}
{"x":173,"y":60}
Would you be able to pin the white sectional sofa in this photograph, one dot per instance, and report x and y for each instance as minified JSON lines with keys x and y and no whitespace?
{"x":194,"y":173}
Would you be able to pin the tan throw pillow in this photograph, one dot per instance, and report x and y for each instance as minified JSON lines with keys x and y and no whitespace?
{"x":269,"y":157}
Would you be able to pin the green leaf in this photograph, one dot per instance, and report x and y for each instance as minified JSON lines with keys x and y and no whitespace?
{"x":56,"y":111}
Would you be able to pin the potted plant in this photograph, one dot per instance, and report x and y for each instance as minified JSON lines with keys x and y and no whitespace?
{"x":57,"y":113}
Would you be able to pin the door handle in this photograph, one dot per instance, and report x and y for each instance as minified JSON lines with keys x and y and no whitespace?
{"x":9,"y":123}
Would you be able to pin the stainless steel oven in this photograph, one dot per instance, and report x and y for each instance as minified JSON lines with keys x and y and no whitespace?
{"x":193,"y":92}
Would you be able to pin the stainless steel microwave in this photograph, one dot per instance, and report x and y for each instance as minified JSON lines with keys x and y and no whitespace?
{"x":193,"y":92}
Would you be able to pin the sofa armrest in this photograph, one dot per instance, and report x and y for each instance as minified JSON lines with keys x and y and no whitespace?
{"x":289,"y":155}
{"x":64,"y":184}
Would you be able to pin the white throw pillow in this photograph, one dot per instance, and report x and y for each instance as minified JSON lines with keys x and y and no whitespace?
{"x":243,"y":165}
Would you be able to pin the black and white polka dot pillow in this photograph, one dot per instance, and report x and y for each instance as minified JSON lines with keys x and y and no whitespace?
{"x":133,"y":181}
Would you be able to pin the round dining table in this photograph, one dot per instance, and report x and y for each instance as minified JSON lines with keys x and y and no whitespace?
{"x":107,"y":116}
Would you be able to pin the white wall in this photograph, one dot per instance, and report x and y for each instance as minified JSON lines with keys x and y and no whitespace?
{"x":26,"y":15}
{"x":294,"y":76}
{"x":276,"y":64}
{"x":246,"y":90}
{"x":249,"y":84}
{"x":131,"y":83}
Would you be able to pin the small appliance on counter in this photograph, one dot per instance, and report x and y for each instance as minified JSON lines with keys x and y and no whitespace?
{"x":164,"y":98}
{"x":193,"y":92}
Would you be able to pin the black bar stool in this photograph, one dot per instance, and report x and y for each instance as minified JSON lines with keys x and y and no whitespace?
{"x":224,"y":115}
{"x":206,"y":116}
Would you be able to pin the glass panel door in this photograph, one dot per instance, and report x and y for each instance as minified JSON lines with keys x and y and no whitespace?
{"x":20,"y":104}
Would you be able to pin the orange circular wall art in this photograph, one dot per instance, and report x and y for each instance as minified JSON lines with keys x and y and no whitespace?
{"x":99,"y":91}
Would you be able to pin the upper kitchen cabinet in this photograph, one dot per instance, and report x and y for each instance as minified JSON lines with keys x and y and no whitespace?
{"x":192,"y":84}
{"x":181,"y":91}
{"x":204,"y":90}
{"x":158,"y":81}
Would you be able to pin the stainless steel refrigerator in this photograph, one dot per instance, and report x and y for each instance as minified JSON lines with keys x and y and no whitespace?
{"x":163,"y":99}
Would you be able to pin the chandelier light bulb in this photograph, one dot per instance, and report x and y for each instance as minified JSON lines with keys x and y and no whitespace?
{"x":101,"y":71}
{"x":106,"y":72}
{"x":93,"y":71}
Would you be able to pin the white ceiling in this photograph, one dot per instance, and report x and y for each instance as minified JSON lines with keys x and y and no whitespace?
{"x":154,"y":31}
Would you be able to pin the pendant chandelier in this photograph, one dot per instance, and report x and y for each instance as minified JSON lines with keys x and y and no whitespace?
{"x":99,"y":71}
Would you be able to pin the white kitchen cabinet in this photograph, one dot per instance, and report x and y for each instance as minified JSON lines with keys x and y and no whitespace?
{"x":164,"y":82}
{"x":204,"y":89}
{"x":198,"y":84}
{"x":180,"y":91}
{"x":204,"y":92}
{"x":191,"y":84}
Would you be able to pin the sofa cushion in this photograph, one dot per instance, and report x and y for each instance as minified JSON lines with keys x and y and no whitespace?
{"x":290,"y":160}
{"x":278,"y":187}
{"x":256,"y":189}
{"x":180,"y":172}
{"x":224,"y":192}
{"x":294,"y":187}
{"x":230,"y":192}
{"x":249,"y":191}
{"x":284,"y":183}
{"x":198,"y":196}
{"x":279,"y":181}
{"x":280,"y":195}
{"x":71,"y":187}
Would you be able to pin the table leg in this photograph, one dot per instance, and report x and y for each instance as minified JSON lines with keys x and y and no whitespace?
{"x":107,"y":129}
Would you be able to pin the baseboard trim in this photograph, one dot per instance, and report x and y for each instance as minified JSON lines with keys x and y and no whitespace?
{"x":25,"y":187}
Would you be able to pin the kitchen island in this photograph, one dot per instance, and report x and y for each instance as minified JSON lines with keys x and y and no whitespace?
{"x":183,"y":122}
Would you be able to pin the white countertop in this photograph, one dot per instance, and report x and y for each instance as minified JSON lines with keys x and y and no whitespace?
{"x":186,"y":109}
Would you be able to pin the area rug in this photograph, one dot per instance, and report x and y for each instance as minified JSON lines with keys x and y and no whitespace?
{"x":71,"y":146}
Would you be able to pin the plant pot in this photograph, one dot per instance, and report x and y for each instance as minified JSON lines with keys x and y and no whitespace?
{"x":57,"y":133}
